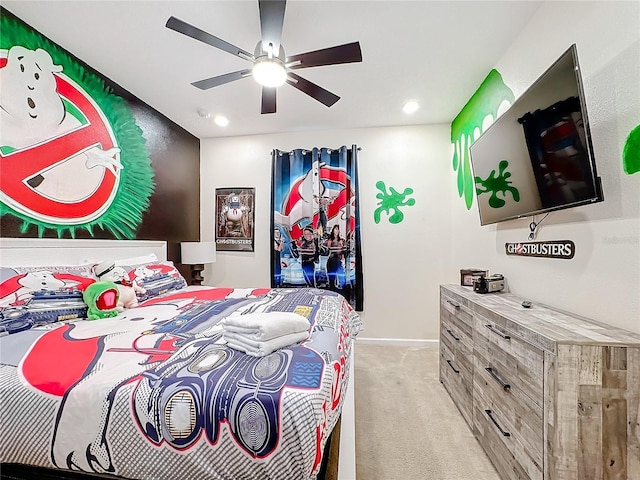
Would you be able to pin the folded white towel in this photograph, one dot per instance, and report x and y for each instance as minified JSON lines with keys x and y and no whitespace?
{"x":265,"y":326}
{"x":260,"y":349}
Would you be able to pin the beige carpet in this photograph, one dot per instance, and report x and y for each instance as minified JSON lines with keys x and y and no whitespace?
{"x":407,"y":427}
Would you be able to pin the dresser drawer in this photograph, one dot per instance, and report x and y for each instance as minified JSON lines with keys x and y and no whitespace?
{"x":456,"y":330}
{"x":515,"y":363}
{"x":458,"y":381}
{"x":509,"y":428}
{"x":456,"y":367}
{"x":457,"y":310}
{"x":508,"y":400}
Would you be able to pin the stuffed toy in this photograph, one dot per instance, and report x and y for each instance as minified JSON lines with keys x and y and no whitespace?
{"x":109,"y":271}
{"x":102,"y":300}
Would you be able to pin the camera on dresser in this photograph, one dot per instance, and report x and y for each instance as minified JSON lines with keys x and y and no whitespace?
{"x":489,"y":284}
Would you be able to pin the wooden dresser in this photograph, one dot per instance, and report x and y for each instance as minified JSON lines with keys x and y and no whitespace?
{"x":549,"y":395}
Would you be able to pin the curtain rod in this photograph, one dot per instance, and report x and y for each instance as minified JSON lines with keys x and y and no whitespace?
{"x":309,"y":149}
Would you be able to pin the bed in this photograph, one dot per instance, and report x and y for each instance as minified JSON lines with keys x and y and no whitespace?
{"x":155,"y":392}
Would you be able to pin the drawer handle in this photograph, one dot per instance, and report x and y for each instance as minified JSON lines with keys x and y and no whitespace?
{"x":506,"y":434}
{"x":452,"y":367}
{"x":450,"y":332}
{"x":505,"y":386}
{"x":497,"y":332}
{"x":455,"y":304}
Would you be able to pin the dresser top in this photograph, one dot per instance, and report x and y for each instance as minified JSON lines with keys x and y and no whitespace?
{"x":553,"y":325}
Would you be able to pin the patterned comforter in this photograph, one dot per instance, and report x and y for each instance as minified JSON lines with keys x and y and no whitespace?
{"x":154,"y":393}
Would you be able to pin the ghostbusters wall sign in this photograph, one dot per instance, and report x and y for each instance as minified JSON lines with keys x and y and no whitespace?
{"x":554,"y":249}
{"x":235,"y":219}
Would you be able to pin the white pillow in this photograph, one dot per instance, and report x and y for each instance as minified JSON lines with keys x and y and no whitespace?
{"x":151,"y":257}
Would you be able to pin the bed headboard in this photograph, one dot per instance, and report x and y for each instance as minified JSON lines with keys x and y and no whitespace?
{"x":33,"y":252}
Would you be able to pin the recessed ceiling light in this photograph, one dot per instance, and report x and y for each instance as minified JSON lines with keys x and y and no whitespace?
{"x":221,"y":120}
{"x":410,"y":107}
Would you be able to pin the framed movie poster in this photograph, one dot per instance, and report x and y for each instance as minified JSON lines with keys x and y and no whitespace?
{"x":235,"y":219}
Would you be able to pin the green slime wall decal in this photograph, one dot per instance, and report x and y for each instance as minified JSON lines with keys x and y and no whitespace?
{"x":393,"y":200}
{"x":485,"y":101}
{"x":631,"y":152}
{"x":497,"y":184}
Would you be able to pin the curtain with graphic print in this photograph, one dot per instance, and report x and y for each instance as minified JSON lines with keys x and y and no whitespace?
{"x":315,"y":223}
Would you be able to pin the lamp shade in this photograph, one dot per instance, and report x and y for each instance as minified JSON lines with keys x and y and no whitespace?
{"x":198,"y":252}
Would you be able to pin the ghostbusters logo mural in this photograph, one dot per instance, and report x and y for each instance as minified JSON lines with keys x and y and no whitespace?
{"x":71,"y":154}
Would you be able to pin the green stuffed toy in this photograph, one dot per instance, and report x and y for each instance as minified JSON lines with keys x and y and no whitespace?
{"x":102,"y":299}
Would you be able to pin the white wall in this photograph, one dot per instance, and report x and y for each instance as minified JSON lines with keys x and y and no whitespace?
{"x":403,"y":264}
{"x":602,"y":281}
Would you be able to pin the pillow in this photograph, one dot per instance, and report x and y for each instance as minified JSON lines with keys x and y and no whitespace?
{"x":32,"y":296}
{"x":156,"y":277}
{"x":150,"y":257}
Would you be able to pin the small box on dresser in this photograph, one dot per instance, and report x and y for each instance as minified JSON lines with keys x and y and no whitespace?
{"x":555,"y":396}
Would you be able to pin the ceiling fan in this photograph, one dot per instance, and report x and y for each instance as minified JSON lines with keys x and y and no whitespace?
{"x":271,"y":68}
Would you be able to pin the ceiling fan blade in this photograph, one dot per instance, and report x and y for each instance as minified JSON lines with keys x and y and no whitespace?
{"x":221,"y":79}
{"x":268,"y":100}
{"x":347,"y":53}
{"x":313,"y":90}
{"x":271,"y":20}
{"x":189,"y":30}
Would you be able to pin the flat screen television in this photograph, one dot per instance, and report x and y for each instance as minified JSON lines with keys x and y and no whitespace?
{"x":537,"y":156}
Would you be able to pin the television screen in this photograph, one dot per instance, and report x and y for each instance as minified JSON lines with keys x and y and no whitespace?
{"x":537,"y":157}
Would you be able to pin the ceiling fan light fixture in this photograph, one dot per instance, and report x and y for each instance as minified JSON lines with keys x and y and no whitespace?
{"x":270,"y":65}
{"x":269,"y":72}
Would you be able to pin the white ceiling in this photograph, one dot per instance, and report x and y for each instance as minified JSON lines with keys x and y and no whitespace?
{"x":436,"y":52}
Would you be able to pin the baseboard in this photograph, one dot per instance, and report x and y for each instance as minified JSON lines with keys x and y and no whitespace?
{"x":408,"y":342}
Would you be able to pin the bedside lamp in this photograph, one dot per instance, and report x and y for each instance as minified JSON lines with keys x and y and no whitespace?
{"x":197,"y":254}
